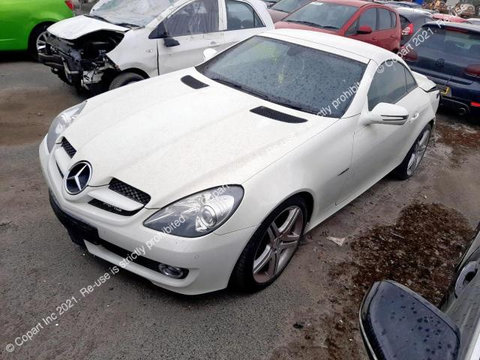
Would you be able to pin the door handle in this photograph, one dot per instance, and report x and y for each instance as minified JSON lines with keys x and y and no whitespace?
{"x":415,"y":116}
{"x":214,"y":43}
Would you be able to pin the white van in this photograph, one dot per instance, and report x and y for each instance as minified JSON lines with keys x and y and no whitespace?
{"x":124,"y":41}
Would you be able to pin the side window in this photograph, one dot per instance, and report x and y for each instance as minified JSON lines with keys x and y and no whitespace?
{"x":384,"y":19}
{"x":369,"y":18}
{"x":241,"y":15}
{"x":410,"y":80}
{"x":394,"y":18}
{"x":388,"y":84}
{"x":404,"y":22}
{"x":198,"y":17}
{"x":352,"y":30}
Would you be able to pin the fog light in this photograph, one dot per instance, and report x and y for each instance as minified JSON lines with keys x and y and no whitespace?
{"x":172,"y":271}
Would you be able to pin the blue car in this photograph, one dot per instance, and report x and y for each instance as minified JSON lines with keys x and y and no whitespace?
{"x":449,"y":54}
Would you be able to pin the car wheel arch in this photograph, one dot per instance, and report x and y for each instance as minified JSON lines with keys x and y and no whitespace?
{"x":37,"y":26}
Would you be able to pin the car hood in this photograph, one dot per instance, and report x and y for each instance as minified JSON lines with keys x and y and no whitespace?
{"x":78,"y":26}
{"x":170,"y":140}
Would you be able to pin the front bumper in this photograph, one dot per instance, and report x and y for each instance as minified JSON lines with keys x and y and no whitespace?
{"x":209,"y":259}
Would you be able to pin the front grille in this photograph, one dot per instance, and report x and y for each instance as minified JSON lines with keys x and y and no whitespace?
{"x":69,"y":149}
{"x":129,"y":191}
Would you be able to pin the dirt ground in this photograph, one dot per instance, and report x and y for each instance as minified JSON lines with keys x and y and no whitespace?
{"x":412,"y":232}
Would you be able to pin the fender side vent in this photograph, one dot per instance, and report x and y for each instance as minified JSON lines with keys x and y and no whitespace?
{"x":192,"y":82}
{"x":277,"y":115}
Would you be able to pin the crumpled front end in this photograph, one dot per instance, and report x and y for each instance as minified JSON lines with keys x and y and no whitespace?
{"x":83,"y":62}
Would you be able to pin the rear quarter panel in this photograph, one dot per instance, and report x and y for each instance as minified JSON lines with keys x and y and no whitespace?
{"x":19,"y":18}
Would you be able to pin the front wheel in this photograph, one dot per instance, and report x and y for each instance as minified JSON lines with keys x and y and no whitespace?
{"x":271,"y":247}
{"x":125,"y":79}
{"x":410,"y":164}
{"x":38,"y":40}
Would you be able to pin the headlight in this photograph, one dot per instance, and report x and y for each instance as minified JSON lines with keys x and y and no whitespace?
{"x":197,"y":214}
{"x":62,"y":122}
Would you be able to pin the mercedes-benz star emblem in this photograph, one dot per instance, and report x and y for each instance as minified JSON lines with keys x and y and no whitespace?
{"x":78,"y":178}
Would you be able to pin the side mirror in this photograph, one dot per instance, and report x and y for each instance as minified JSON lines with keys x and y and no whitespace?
{"x":397,"y":323}
{"x":364,"y":29}
{"x":169,"y":42}
{"x":388,"y":114}
{"x":209,"y":53}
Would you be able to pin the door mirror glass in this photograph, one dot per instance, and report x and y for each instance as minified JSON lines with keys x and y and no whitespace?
{"x":209,"y":53}
{"x":388,"y":114}
{"x":397,"y":323}
{"x":364,"y":29}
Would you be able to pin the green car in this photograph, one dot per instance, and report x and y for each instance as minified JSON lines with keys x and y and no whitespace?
{"x":23,"y":22}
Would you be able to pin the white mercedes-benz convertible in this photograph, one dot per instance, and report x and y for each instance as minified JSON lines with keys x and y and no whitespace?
{"x":210,"y":176}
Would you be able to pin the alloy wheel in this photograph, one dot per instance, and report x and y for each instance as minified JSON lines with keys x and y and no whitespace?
{"x":41,"y":43}
{"x":418,"y":152}
{"x":278,"y":244}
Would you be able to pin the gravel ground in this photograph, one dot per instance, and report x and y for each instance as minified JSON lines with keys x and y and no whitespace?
{"x":308,"y":313}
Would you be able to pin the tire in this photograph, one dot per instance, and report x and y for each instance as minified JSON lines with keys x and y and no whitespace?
{"x":37,"y":39}
{"x":125,"y":79}
{"x":266,"y":255}
{"x":414,"y":157}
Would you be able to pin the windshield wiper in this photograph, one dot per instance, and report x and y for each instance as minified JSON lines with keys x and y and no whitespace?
{"x":128,"y":25}
{"x":228,"y":83}
{"x":309,"y":23}
{"x":330,"y":27}
{"x":97,"y":17}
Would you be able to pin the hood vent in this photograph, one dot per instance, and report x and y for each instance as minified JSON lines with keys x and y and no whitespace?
{"x":129,"y":191}
{"x":277,"y":115}
{"x":192,"y":82}
{"x":69,"y":149}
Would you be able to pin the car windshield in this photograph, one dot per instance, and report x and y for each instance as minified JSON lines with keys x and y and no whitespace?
{"x":323,"y":15}
{"x":288,"y":74}
{"x":129,"y":12}
{"x":289,"y":5}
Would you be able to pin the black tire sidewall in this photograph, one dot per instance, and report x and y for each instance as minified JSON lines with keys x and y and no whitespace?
{"x":125,"y":79}
{"x":242,"y":275}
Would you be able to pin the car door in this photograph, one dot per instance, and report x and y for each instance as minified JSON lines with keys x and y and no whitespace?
{"x":386,"y":33}
{"x":15,"y":17}
{"x":367,"y":17}
{"x":242,"y":21}
{"x":379,"y":148}
{"x":190,"y":30}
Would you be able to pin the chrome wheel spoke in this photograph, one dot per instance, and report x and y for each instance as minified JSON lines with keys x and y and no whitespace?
{"x":273,"y":264}
{"x":263,"y":260}
{"x":288,"y":244}
{"x":290,"y":222}
{"x":273,"y":232}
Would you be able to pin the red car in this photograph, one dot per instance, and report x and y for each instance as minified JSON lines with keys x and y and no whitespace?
{"x":370,"y":22}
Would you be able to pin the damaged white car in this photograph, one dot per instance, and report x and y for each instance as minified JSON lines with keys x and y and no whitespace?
{"x":124,"y":41}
